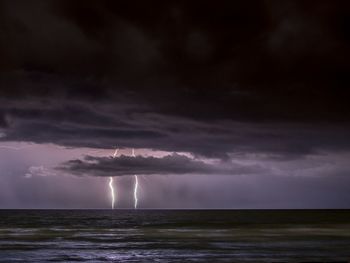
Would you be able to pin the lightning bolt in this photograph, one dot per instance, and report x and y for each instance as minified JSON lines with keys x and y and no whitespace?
{"x":135,"y":191}
{"x":115,"y":153}
{"x":136,"y":185}
{"x":112,"y":190}
{"x":111,"y":182}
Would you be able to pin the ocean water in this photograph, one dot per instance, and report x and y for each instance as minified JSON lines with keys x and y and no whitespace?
{"x":174,"y":235}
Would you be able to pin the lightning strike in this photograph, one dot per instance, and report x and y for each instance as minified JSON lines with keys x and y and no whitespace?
{"x":136,"y":185}
{"x":135,"y":191}
{"x":115,"y":153}
{"x":112,"y":191}
{"x":111,"y":182}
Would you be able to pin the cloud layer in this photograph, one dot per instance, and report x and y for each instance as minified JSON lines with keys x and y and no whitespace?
{"x":232,"y":78}
{"x":170,"y":164}
{"x":77,"y":124}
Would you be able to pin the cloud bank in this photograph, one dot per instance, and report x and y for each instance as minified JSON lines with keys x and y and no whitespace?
{"x":236,"y":77}
{"x":170,"y":164}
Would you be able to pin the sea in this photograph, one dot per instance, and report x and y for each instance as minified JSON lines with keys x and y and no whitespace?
{"x":174,"y":235}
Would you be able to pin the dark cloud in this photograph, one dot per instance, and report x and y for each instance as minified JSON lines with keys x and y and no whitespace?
{"x":3,"y":121}
{"x":170,"y":164}
{"x":233,"y":77}
{"x":130,"y":125}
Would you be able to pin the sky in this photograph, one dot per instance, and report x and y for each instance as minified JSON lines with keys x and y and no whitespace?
{"x":232,"y":104}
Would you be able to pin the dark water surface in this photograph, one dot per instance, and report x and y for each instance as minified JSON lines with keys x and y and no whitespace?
{"x":174,"y":235}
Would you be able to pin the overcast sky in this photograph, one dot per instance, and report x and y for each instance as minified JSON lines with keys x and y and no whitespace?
{"x":232,"y":104}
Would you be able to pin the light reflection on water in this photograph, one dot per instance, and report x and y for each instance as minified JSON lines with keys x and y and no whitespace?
{"x":173,"y":236}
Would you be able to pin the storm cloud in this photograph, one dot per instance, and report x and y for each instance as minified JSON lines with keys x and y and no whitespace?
{"x":78,"y":124}
{"x":259,"y":88}
{"x":170,"y":164}
{"x":217,"y":80}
